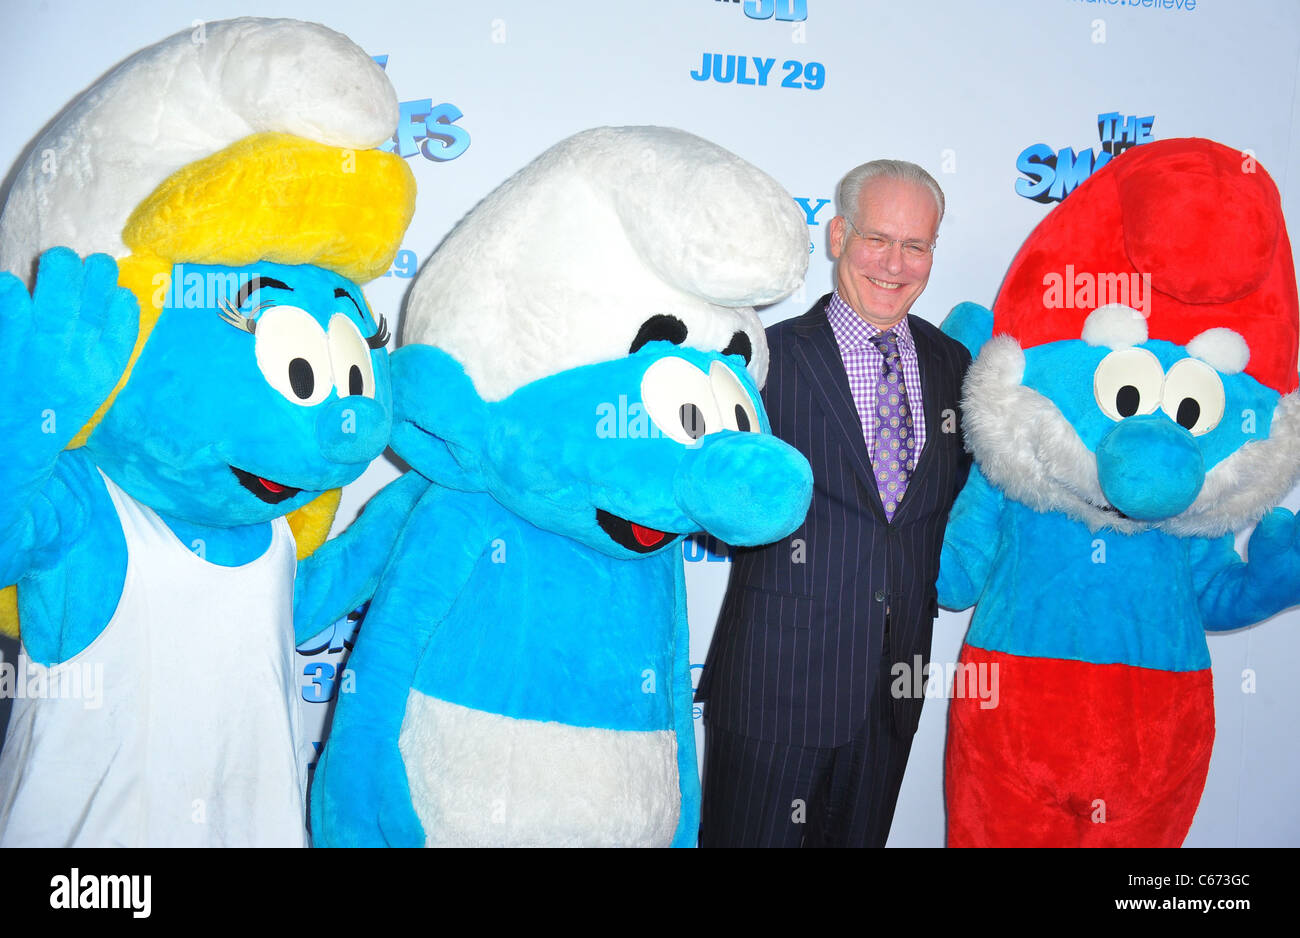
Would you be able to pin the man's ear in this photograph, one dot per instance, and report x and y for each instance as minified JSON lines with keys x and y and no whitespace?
{"x":970,"y":324}
{"x":835,"y":237}
{"x":438,"y":417}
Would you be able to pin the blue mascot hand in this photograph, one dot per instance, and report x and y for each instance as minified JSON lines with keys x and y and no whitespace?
{"x":366,"y":801}
{"x":335,"y":820}
{"x":1273,"y":567}
{"x":1239,"y":594}
{"x":970,"y":324}
{"x":69,"y":342}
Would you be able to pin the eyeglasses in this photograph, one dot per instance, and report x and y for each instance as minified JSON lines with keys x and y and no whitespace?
{"x":913,"y":250}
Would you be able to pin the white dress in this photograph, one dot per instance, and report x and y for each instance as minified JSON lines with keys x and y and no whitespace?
{"x":178,"y":724}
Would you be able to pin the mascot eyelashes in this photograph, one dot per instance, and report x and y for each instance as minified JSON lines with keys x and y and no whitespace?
{"x":160,"y":430}
{"x":1132,"y":404}
{"x":589,"y":395}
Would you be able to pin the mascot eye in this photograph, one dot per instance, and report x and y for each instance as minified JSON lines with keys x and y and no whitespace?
{"x":679,"y":399}
{"x":1193,"y":396}
{"x":1128,"y":382}
{"x":734,"y":403}
{"x":350,"y":358}
{"x":692,"y":421}
{"x":293,"y":354}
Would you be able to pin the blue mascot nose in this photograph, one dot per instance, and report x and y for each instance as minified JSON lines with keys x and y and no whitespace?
{"x":744,"y":488}
{"x":1149,"y":467}
{"x":353,"y":430}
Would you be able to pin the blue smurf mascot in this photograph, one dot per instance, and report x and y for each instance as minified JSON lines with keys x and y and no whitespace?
{"x":580,"y":378}
{"x":163,"y":413}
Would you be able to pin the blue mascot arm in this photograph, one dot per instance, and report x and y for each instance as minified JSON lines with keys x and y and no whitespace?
{"x":1233,"y":593}
{"x":969,"y":543}
{"x":62,"y":350}
{"x":345,"y":571}
{"x":360,"y":796}
{"x":688,"y":770}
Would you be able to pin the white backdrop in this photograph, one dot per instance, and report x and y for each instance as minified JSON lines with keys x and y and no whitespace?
{"x":961,"y":88}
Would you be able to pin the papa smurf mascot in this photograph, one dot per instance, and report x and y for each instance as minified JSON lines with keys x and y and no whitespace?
{"x":1135,"y":405}
{"x":579,"y":376}
{"x":162,"y":414}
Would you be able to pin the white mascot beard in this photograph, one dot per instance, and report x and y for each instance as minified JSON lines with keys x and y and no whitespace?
{"x":1026,"y":447}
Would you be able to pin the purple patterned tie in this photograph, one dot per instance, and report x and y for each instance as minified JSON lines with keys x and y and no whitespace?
{"x":893,"y":459}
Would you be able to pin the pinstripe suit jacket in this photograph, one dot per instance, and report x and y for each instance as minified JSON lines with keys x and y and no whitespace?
{"x":796,"y":653}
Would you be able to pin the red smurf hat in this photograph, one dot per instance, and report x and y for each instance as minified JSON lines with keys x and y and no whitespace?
{"x":1189,"y":231}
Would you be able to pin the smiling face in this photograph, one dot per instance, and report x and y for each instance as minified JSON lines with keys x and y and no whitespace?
{"x":259,"y":388}
{"x":881,"y":284}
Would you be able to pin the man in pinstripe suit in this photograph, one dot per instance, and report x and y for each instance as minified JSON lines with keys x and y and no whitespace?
{"x":808,"y":722}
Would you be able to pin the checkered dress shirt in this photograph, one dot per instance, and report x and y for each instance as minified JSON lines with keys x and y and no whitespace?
{"x":863,"y":364}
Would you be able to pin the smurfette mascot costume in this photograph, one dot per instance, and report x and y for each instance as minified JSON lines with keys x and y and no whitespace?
{"x":164,"y":413}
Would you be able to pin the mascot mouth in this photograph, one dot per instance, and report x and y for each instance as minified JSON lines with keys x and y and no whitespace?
{"x":629,"y":534}
{"x":270,"y":492}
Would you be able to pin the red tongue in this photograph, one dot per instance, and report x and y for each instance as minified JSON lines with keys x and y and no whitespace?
{"x":646,"y":537}
{"x":271,"y":487}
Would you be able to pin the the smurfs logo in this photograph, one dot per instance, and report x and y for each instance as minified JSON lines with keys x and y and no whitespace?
{"x":1052,"y":174}
{"x":427,"y":128}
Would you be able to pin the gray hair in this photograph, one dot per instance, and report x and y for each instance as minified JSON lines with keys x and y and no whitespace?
{"x":850,"y":187}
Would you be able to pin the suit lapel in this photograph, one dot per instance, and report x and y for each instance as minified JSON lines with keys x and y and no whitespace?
{"x":818,"y":357}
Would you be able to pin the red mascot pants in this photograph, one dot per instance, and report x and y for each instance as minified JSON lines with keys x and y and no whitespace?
{"x":1072,"y":754}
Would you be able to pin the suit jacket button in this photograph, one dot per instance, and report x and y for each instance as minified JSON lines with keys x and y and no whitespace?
{"x":880,"y":596}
